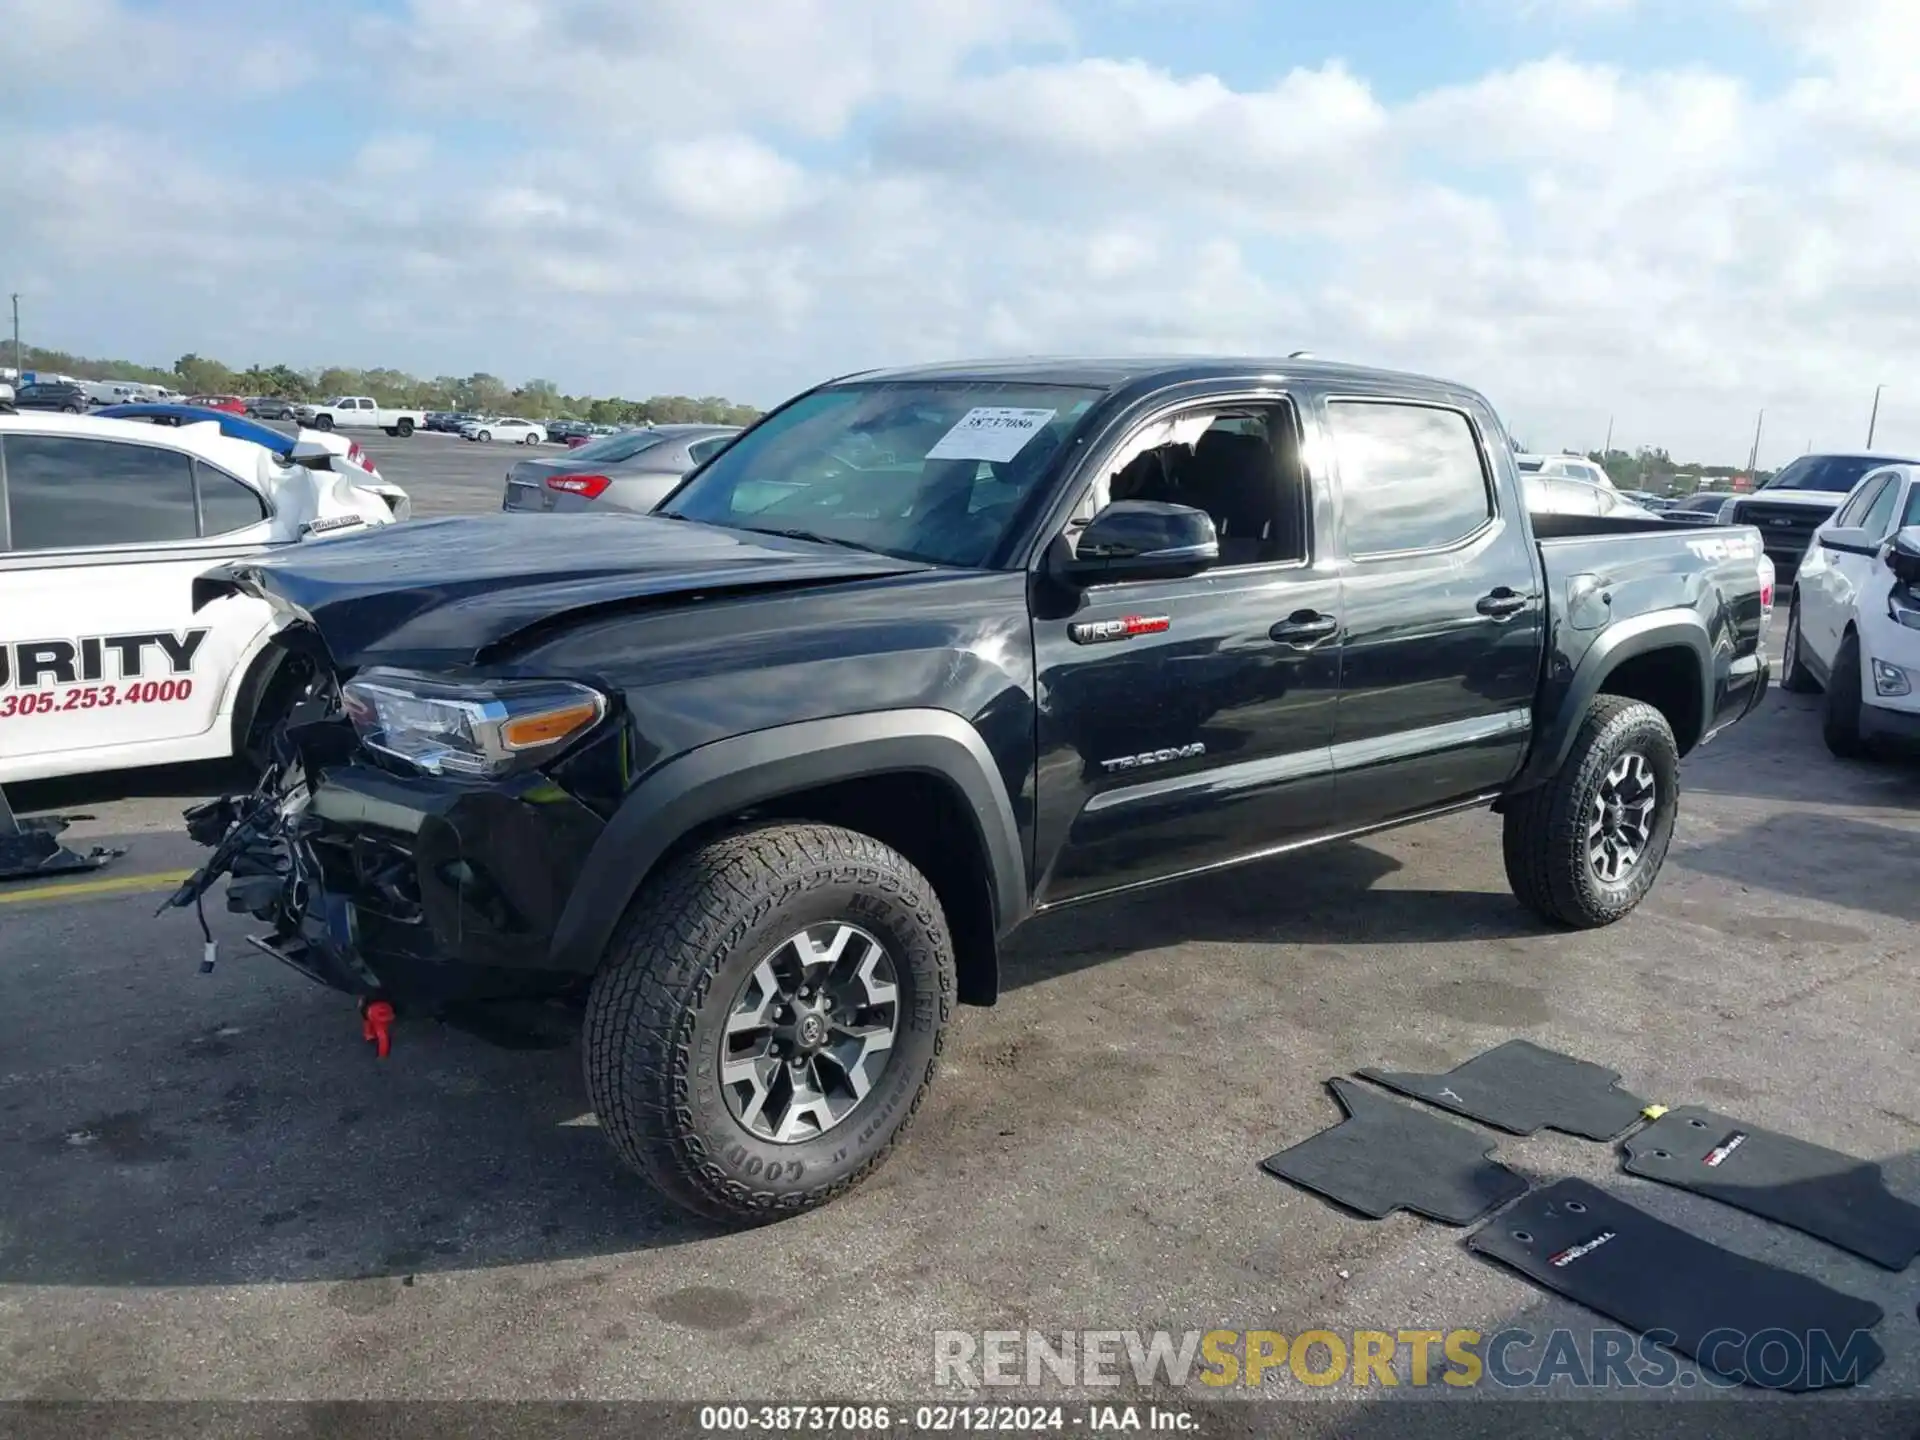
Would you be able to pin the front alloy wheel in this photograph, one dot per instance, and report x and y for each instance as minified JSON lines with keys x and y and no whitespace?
{"x":762,"y":990}
{"x":810,"y":1032}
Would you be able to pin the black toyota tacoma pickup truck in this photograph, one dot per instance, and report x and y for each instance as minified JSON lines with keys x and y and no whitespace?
{"x":765,"y":779}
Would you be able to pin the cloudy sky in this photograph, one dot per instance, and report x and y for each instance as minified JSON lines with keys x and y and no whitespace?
{"x":1673,"y":212}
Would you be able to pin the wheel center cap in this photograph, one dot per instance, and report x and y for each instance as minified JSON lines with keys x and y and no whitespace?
{"x":811,"y":1032}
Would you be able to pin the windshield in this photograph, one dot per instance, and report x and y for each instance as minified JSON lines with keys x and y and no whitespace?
{"x":1835,"y":473}
{"x":925,"y":469}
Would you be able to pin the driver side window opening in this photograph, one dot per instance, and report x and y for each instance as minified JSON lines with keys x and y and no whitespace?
{"x":1239,"y":464}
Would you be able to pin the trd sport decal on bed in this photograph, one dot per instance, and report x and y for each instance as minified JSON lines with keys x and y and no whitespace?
{"x":1098,"y":632}
{"x":35,"y":664}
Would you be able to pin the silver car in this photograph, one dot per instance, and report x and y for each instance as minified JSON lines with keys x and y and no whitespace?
{"x":634,"y":470}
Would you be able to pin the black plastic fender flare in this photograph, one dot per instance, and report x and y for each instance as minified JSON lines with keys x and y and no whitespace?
{"x":742,"y":771}
{"x":1619,"y":642}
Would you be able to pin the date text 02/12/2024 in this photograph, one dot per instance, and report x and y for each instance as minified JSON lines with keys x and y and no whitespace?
{"x":941,"y":1419}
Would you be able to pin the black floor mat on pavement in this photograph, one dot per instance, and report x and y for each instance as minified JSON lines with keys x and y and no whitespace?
{"x":1834,"y":1197}
{"x":1386,"y":1156}
{"x":1520,"y":1088}
{"x":1580,"y":1242}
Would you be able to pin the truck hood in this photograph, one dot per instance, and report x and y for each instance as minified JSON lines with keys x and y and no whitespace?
{"x":458,"y":591}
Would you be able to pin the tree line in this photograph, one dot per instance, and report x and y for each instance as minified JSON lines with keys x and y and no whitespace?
{"x":479,"y":392}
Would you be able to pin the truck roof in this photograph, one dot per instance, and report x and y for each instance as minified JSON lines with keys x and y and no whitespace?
{"x":1113,"y":373}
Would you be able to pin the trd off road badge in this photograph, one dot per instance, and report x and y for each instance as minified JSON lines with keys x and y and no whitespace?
{"x":32,"y":664}
{"x":1099,"y":632}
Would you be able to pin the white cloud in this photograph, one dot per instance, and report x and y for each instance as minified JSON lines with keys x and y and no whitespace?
{"x":111,"y":52}
{"x":726,"y":180}
{"x":709,"y":202}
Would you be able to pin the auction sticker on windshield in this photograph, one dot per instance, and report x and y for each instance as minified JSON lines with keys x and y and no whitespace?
{"x":990,"y":432}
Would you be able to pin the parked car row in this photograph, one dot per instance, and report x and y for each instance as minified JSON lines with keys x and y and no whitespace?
{"x":457,"y":422}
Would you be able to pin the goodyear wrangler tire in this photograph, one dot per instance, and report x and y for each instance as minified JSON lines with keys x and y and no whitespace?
{"x":768,"y":1019}
{"x":1585,"y":848}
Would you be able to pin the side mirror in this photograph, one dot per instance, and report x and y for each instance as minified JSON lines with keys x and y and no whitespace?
{"x":1847,"y":538}
{"x":1903,"y":555}
{"x":1143,"y":540}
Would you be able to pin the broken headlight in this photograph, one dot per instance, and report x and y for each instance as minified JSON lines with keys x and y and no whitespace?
{"x":479,"y":728}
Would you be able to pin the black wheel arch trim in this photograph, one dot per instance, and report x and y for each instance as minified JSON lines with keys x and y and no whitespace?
{"x":738,"y":773}
{"x":1621,"y":641}
{"x":255,"y":686}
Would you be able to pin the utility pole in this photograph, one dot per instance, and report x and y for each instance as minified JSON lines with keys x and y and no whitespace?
{"x":1874,"y":419}
{"x":16,"y":336}
{"x":1607,"y":449}
{"x":1753,"y":455}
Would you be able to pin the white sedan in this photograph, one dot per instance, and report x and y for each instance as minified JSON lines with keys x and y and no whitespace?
{"x":105,"y":664}
{"x":520,"y":432}
{"x":1853,"y":628}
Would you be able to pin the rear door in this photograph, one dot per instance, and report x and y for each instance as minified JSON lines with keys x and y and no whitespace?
{"x":1442,"y":605}
{"x":103,"y":660}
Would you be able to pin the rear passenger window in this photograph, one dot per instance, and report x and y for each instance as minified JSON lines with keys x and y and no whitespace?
{"x":68,"y":493}
{"x":1410,"y":476}
{"x":225,"y":504}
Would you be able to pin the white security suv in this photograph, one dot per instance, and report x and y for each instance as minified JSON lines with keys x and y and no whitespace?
{"x":1854,"y":626}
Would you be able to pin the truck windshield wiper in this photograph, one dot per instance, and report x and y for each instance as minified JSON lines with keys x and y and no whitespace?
{"x":818,"y":538}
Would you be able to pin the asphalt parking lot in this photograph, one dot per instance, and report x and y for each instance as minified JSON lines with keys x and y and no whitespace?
{"x":213,"y":1191}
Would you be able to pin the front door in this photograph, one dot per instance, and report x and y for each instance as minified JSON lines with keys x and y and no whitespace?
{"x":1443,"y":612}
{"x":1187,"y":723}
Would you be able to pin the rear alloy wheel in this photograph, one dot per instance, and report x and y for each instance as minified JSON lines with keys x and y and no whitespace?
{"x":1585,"y":847}
{"x":405,"y":427}
{"x":1795,"y":678}
{"x":768,"y":1019}
{"x":1840,"y":719}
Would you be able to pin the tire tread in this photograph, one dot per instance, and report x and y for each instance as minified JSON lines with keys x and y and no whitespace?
{"x":661,"y":963}
{"x":1543,"y":829}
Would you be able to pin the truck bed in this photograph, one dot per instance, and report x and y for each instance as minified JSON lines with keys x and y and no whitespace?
{"x":1617,"y":584}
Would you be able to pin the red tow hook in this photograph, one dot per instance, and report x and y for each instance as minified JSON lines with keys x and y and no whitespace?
{"x":376,"y":1025}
